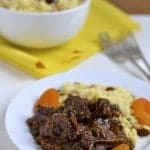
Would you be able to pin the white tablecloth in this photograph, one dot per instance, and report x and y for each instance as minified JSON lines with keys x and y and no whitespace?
{"x":13,"y":80}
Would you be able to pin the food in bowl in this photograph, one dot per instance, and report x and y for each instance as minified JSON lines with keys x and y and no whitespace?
{"x":85,"y":117}
{"x":42,"y":30}
{"x":39,"y":5}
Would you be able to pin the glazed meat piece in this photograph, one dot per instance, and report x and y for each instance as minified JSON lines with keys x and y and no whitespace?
{"x":62,"y":127}
{"x":78,"y":106}
{"x":45,"y":111}
{"x":35,"y":123}
{"x":87,"y":139}
{"x":78,"y":124}
{"x":103,"y":108}
{"x":101,"y":129}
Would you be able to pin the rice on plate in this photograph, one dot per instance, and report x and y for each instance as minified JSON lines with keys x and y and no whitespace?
{"x":115,"y":95}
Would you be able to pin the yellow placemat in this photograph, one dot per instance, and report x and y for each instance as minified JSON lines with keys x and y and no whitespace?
{"x":102,"y":17}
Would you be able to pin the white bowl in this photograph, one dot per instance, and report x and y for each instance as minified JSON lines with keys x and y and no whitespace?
{"x":42,"y":30}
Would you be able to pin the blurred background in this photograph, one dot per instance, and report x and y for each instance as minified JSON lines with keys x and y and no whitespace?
{"x":134,"y":6}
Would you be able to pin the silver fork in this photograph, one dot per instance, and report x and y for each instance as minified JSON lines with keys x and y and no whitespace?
{"x":126,"y":50}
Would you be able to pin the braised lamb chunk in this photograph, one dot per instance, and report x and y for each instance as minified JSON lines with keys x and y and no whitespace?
{"x":58,"y":125}
{"x":103,"y":108}
{"x":78,"y":106}
{"x":109,"y":131}
{"x":45,"y":111}
{"x":35,"y":123}
{"x":87,"y":139}
{"x":78,"y":124}
{"x":116,"y":127}
{"x":101,"y":129}
{"x":62,"y":127}
{"x":46,"y":130}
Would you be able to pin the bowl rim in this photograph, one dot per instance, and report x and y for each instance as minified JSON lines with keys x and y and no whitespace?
{"x":15,"y":12}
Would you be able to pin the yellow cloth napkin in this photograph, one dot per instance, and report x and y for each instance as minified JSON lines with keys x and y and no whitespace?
{"x":103,"y":16}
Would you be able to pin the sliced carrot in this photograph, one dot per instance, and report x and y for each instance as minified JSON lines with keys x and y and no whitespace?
{"x":141,"y":110}
{"x":121,"y":147}
{"x":49,"y":98}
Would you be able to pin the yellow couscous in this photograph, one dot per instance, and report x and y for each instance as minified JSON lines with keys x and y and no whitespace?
{"x":116,"y":95}
{"x":39,"y":5}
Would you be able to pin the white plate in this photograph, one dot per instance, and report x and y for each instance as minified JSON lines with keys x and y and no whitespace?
{"x":21,"y":106}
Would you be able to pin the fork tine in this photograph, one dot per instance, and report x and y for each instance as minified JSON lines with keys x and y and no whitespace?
{"x":140,"y":68}
{"x":140,"y":52}
{"x":134,"y":51}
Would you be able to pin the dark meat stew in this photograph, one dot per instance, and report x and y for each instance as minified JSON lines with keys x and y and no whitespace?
{"x":78,"y":124}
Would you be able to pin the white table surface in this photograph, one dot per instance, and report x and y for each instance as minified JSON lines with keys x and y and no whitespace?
{"x":13,"y":80}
